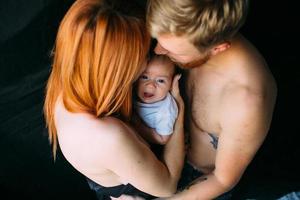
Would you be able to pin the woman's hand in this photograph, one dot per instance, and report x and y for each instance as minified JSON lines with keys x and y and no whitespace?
{"x":180,"y":103}
{"x":176,"y":92}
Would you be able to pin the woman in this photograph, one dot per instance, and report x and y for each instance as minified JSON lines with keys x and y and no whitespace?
{"x":99,"y":53}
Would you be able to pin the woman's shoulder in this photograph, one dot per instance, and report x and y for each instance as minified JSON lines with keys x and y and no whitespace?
{"x":83,"y":119}
{"x":83,"y":136}
{"x":87,"y":127}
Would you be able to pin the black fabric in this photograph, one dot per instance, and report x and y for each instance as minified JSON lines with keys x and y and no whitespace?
{"x":27,"y":169}
{"x":104,"y":193}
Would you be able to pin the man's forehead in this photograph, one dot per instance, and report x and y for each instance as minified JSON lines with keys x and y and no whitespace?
{"x":168,"y":41}
{"x":175,"y":44}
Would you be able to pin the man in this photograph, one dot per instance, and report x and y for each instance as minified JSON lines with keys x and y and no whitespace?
{"x":230,"y":91}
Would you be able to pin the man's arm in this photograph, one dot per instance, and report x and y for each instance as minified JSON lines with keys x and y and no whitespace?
{"x":245,"y":119}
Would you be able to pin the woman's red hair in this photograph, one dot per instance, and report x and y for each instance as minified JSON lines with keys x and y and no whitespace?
{"x":98,"y":54}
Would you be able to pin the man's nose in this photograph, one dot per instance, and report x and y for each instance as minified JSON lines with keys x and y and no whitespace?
{"x":160,"y":50}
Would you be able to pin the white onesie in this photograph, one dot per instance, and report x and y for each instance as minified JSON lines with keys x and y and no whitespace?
{"x":160,"y":115}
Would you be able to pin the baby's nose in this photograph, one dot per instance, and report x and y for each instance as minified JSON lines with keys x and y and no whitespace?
{"x":151,"y":83}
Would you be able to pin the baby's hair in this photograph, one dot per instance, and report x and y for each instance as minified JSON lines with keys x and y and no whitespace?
{"x":163,"y":59}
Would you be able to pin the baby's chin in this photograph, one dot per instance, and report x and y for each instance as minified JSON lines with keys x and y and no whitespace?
{"x":150,"y":100}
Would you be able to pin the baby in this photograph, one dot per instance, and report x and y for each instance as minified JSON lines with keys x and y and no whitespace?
{"x":155,"y":105}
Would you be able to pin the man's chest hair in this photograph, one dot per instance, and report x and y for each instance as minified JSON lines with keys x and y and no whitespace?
{"x":203,"y":110}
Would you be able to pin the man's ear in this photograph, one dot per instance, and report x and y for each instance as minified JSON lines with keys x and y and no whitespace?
{"x":220,"y":47}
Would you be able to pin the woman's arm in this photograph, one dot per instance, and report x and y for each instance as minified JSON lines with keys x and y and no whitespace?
{"x":174,"y":150}
{"x":136,"y":163}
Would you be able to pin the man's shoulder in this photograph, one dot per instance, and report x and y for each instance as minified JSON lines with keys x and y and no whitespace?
{"x":241,"y":103}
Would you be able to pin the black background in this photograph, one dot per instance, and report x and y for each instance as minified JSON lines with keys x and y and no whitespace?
{"x":27,"y":34}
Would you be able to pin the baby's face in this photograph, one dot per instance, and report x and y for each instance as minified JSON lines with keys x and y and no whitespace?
{"x":155,"y":82}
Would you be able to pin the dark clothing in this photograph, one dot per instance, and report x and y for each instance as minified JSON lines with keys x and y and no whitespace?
{"x":104,"y":193}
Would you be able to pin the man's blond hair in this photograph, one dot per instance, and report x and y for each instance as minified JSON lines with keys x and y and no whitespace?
{"x":205,"y":22}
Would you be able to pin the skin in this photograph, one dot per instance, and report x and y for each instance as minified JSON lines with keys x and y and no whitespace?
{"x":110,"y":152}
{"x":230,"y":96}
{"x":155,"y":82}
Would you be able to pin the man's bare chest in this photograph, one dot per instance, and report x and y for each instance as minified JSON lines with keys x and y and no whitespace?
{"x":203,"y":101}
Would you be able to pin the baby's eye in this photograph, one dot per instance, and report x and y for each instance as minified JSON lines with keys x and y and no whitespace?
{"x":160,"y":80}
{"x":144,"y":77}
